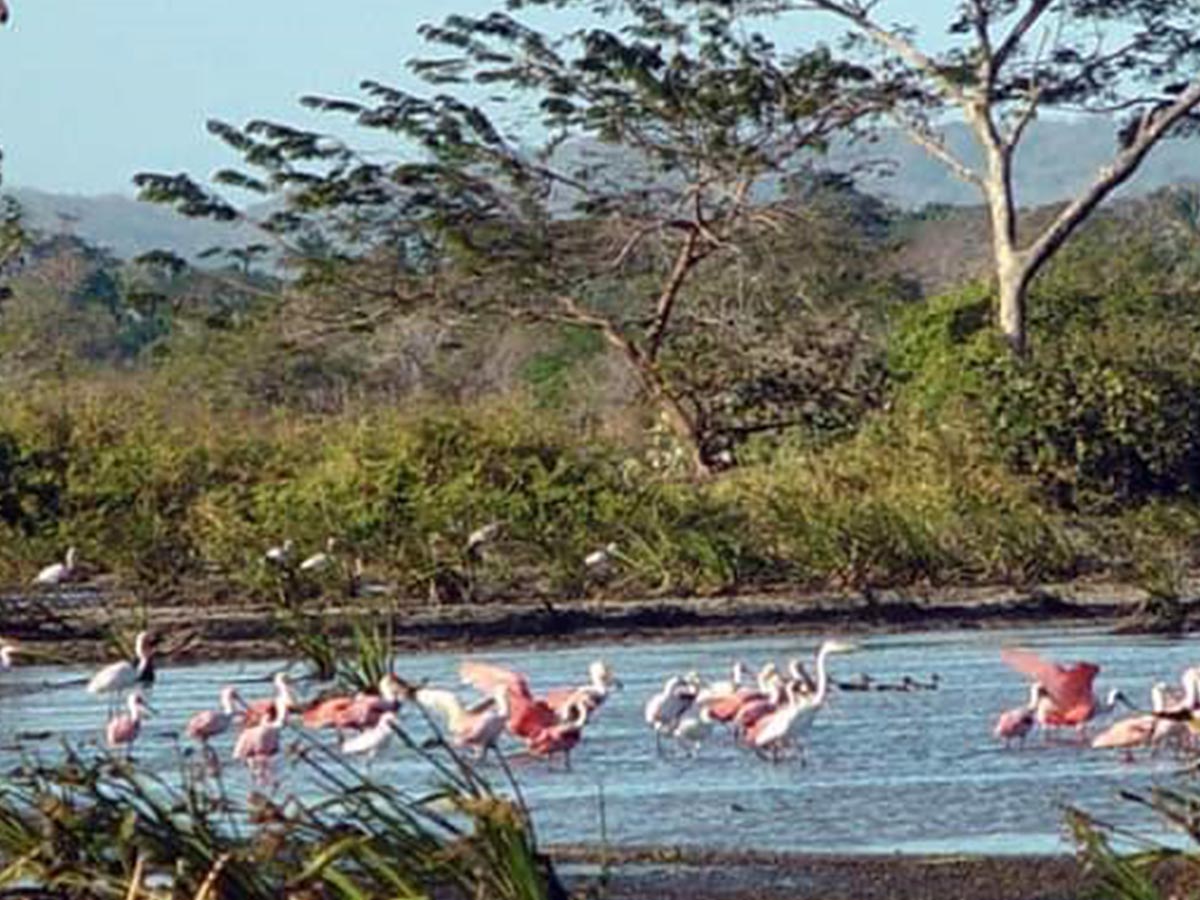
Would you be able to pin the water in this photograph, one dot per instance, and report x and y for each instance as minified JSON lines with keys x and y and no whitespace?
{"x":887,"y":771}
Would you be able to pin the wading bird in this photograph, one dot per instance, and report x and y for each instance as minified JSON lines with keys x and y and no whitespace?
{"x":478,"y":540}
{"x":259,"y":744}
{"x":123,"y":730}
{"x":1015,"y":724}
{"x":600,"y":559}
{"x":59,"y":572}
{"x":527,"y":715}
{"x":259,"y":711}
{"x":1069,"y":700}
{"x":601,"y":682}
{"x":693,"y":730}
{"x":121,"y":676}
{"x":204,"y":726}
{"x":665,"y":709}
{"x":7,"y":651}
{"x":561,"y":737}
{"x":357,"y":712}
{"x":373,"y":739}
{"x":281,"y":554}
{"x":477,"y":728}
{"x":794,"y":719}
{"x":318,"y":562}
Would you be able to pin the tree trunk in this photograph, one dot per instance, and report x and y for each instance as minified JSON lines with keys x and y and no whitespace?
{"x":1014,"y":285}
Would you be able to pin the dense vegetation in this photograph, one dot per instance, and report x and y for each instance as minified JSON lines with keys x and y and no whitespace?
{"x":173,"y":423}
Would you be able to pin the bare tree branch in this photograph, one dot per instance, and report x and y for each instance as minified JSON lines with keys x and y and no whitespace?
{"x":939,"y":151}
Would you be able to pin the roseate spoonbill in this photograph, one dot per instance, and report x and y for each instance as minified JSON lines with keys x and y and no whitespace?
{"x":373,"y":739}
{"x":211,"y":723}
{"x":260,"y":710}
{"x":59,"y":572}
{"x":123,"y":730}
{"x":357,"y":712}
{"x":258,"y":744}
{"x":1167,"y":722}
{"x":726,"y":709}
{"x":478,"y":540}
{"x":281,"y":554}
{"x":527,"y":716}
{"x":562,"y":737}
{"x":1016,"y":723}
{"x":726,"y":688}
{"x":664,"y":710}
{"x":318,"y":562}
{"x":478,"y":727}
{"x":121,"y":676}
{"x":795,"y":718}
{"x":601,"y":682}
{"x":1069,"y":700}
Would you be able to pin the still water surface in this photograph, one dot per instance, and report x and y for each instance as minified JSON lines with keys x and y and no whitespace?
{"x":887,"y":771}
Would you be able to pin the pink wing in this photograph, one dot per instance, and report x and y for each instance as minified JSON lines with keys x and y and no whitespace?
{"x":204,"y":724}
{"x":488,"y":678}
{"x":1067,"y":687}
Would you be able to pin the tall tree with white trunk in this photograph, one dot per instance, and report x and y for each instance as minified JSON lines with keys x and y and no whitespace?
{"x":1006,"y":62}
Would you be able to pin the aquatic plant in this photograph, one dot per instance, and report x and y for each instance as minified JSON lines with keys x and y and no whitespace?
{"x":100,"y":828}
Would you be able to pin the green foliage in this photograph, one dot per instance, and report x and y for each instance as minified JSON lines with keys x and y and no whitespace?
{"x":549,"y":372}
{"x":96,"y":829}
{"x":1106,"y":410}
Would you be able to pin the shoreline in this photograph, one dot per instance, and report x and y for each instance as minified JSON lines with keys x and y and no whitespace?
{"x":192,"y":632}
{"x":673,"y":873}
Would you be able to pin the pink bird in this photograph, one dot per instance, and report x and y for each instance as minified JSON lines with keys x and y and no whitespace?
{"x":258,"y":711}
{"x":211,"y":723}
{"x":601,"y":683}
{"x":123,"y":730}
{"x":527,"y":716}
{"x":259,"y":744}
{"x":1158,"y":727}
{"x":477,"y":728}
{"x":562,"y":737}
{"x":1016,"y":723}
{"x":1069,"y":700}
{"x":356,"y":713}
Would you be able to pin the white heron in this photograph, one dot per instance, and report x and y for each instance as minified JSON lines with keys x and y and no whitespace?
{"x":602,"y":557}
{"x":478,"y":539}
{"x":777,"y":730}
{"x":7,"y":651}
{"x":664,"y":710}
{"x":59,"y":572}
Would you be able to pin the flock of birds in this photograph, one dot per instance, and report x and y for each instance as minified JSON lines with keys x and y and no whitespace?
{"x":770,"y":714}
{"x":1063,"y":698}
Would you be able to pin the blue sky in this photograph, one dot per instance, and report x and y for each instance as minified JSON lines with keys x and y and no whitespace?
{"x":92,"y":91}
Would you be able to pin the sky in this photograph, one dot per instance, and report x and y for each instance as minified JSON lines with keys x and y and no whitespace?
{"x":92,"y":91}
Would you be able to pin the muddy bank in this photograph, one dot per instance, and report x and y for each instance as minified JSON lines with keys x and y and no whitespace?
{"x":661,"y":874}
{"x":74,"y":626}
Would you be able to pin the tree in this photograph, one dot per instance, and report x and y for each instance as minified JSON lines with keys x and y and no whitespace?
{"x":1008,"y":61}
{"x":667,"y":140}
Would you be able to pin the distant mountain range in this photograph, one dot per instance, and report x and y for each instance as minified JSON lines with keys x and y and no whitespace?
{"x":1056,"y":159}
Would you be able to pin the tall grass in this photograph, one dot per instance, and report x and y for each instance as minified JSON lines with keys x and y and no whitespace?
{"x":102,"y":828}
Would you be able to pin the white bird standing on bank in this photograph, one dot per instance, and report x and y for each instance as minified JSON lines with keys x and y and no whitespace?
{"x":121,"y":676}
{"x":57,"y":573}
{"x":6,"y":655}
{"x":281,"y":554}
{"x":320,"y":561}
{"x":602,"y":557}
{"x":478,"y":539}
